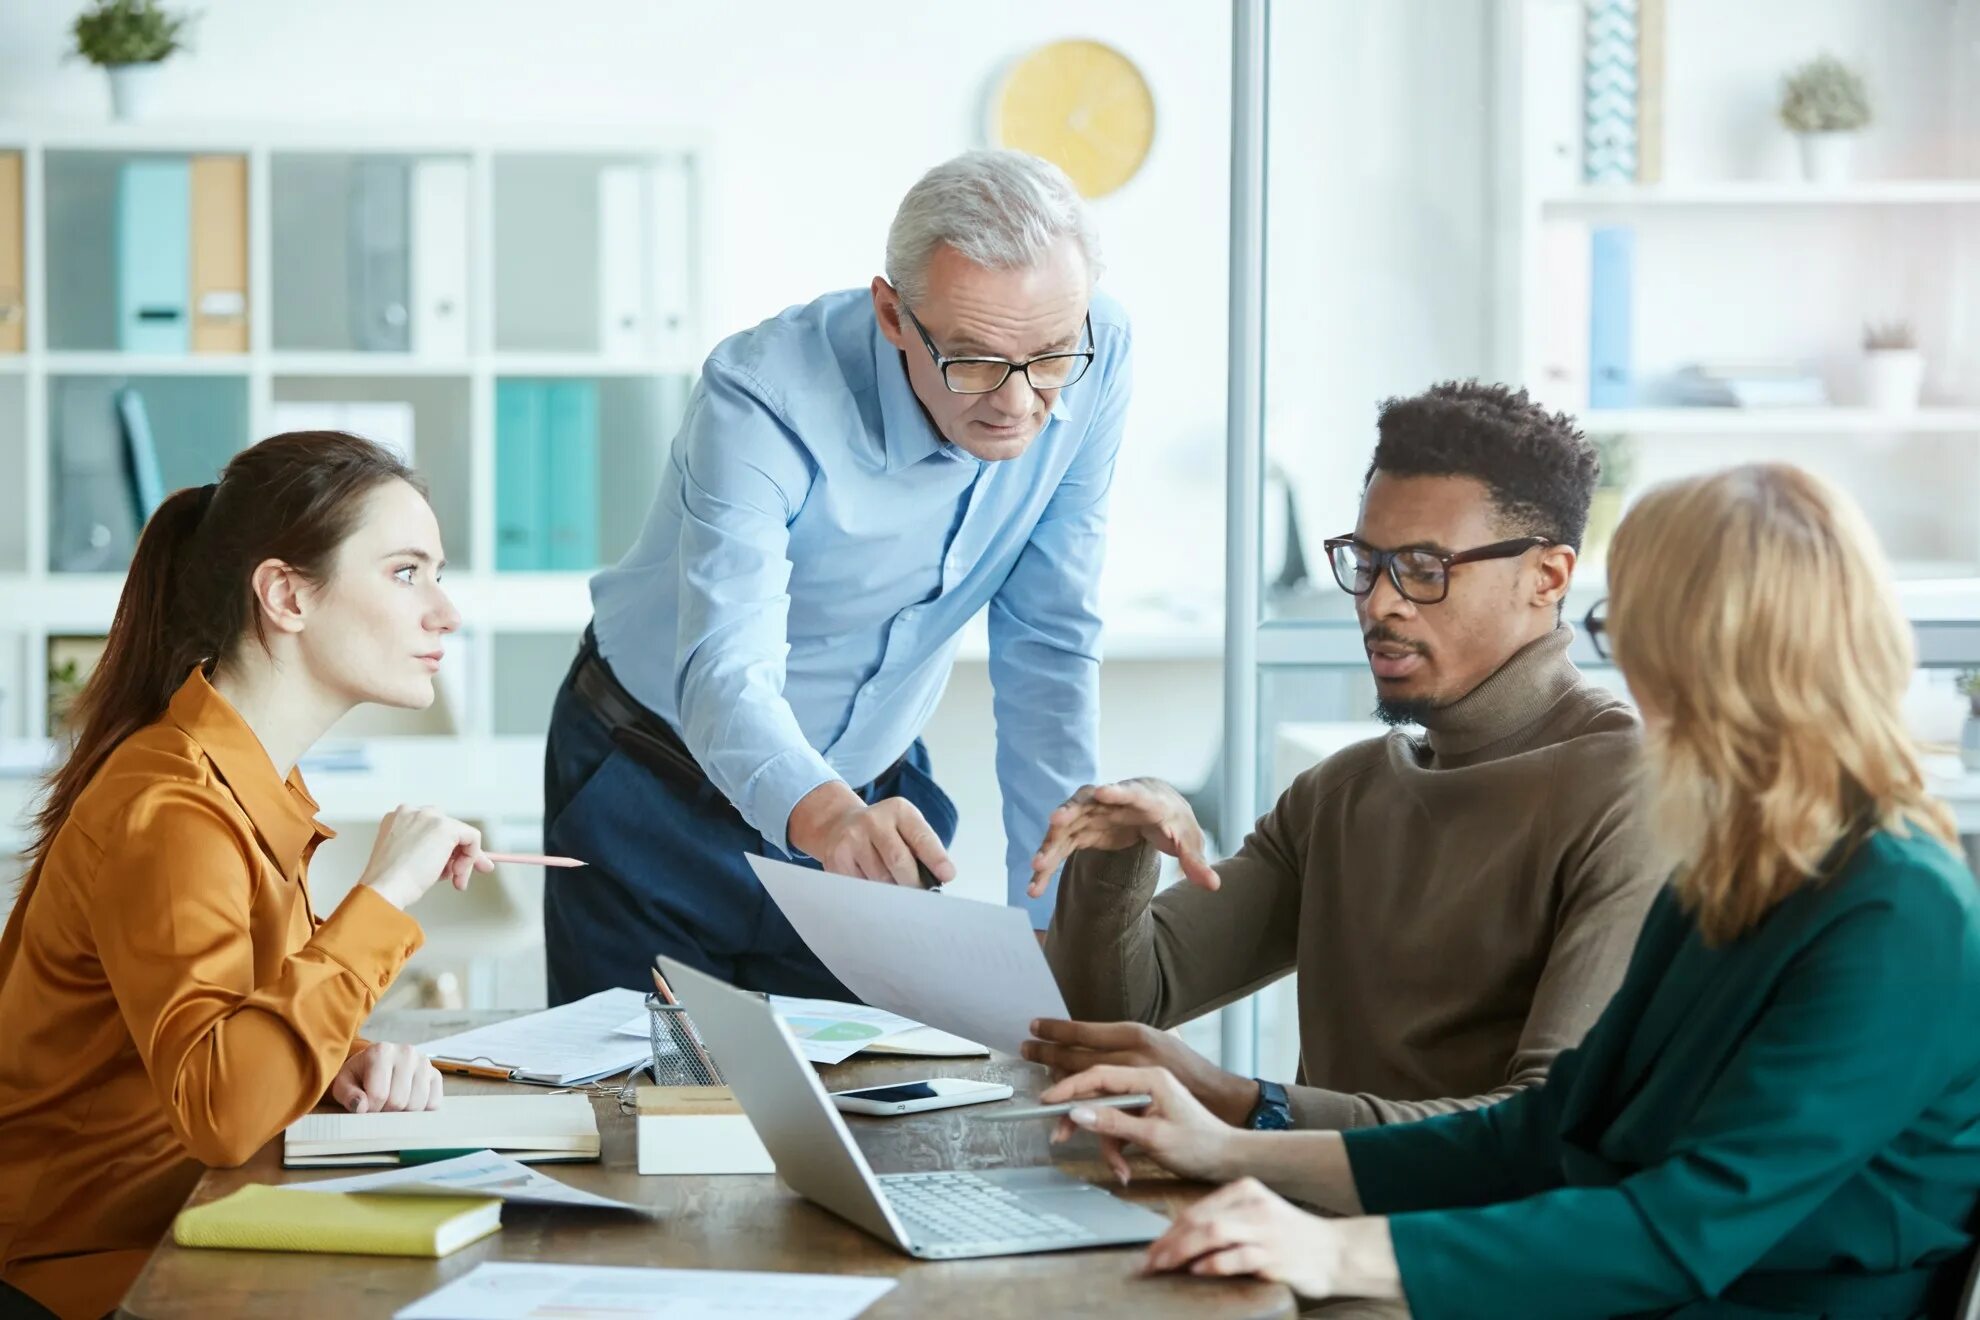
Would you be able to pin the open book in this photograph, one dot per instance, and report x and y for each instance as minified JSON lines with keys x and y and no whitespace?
{"x":523,"y":1127}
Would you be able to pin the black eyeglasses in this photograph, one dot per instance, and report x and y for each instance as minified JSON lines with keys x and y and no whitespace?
{"x":1422,"y":577}
{"x":1596,"y":625}
{"x":986,"y":375}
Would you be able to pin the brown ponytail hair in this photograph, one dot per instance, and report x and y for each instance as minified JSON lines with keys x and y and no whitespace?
{"x":188,"y":599}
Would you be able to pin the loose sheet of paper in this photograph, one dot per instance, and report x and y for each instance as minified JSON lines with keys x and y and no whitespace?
{"x":484,"y":1173}
{"x":973,"y":969}
{"x":575,"y":1042}
{"x":508,"y":1291}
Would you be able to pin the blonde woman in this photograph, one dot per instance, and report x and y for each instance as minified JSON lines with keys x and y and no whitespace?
{"x":1776,"y":1115}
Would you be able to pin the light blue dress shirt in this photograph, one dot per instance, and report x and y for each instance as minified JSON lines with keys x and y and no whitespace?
{"x":793,"y":603}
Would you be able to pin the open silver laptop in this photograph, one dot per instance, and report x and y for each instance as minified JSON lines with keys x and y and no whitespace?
{"x":943,"y":1215}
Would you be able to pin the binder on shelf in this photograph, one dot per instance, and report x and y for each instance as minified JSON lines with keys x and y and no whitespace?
{"x":154,"y":210}
{"x":571,"y":452}
{"x":1553,"y":93}
{"x":521,"y":476}
{"x":13,"y":262}
{"x":1610,"y":78}
{"x":1611,"y":376}
{"x":440,"y":258}
{"x":624,"y":288}
{"x":389,"y":422}
{"x":672,"y":238}
{"x":1650,"y":91}
{"x":96,"y":520}
{"x":140,"y":454}
{"x":1564,"y":325}
{"x":380,"y":275}
{"x":219,"y":254}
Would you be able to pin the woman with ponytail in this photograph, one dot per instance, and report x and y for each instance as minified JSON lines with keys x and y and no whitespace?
{"x":171,"y":999}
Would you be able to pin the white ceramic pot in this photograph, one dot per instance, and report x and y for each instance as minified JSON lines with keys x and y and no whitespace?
{"x":132,"y":89}
{"x":1893,"y":379}
{"x":1969,"y":744}
{"x":1825,"y":156}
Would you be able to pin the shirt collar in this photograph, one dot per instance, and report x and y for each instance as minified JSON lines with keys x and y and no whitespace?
{"x":907,"y":436}
{"x":282,"y":811}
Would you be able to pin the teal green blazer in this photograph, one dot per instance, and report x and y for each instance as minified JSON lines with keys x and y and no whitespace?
{"x":1785,"y":1125}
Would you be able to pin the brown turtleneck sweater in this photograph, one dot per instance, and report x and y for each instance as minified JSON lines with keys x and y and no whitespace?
{"x":1458,"y":909}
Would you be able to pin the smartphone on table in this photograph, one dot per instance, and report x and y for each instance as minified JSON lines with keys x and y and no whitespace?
{"x":914,"y":1097}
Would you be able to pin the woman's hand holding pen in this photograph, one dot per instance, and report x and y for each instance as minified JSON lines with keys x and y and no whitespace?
{"x":417,"y":848}
{"x":1175,"y":1129}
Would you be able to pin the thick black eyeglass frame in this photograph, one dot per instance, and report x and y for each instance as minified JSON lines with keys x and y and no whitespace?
{"x":942,"y":364}
{"x":1596,"y":625}
{"x":1386,"y":560}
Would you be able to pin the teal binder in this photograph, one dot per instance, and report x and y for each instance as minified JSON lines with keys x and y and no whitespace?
{"x":154,"y":220}
{"x":522,"y":535}
{"x":572,"y":459}
{"x":1611,"y":373}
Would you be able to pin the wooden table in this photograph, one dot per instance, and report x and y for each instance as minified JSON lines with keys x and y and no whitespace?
{"x":733,"y":1223}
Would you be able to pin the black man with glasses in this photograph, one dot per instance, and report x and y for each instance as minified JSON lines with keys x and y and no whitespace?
{"x":855,"y":480}
{"x":1458,"y":903}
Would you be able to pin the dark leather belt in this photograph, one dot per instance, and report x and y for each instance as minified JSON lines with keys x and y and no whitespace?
{"x":641,"y":734}
{"x":652,"y":742}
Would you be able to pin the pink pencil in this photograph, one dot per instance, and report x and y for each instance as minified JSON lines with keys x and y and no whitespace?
{"x":533,"y":859}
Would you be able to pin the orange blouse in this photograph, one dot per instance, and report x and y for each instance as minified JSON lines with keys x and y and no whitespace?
{"x":168,"y":998}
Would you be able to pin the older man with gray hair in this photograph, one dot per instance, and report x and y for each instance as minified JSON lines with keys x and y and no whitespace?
{"x":855,"y":479}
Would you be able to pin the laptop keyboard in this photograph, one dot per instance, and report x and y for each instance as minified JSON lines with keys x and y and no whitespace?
{"x":956,"y":1211}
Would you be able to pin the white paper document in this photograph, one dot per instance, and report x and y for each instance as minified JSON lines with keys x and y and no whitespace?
{"x":829,"y":1031}
{"x":575,"y":1042}
{"x":973,"y":969}
{"x":483,"y":1173}
{"x":507,"y":1291}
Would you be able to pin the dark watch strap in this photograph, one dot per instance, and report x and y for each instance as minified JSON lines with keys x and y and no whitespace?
{"x":1273,"y":1112}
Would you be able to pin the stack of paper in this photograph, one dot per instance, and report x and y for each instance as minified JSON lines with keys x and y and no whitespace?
{"x":526,"y":1127}
{"x":509,"y":1291}
{"x":829,"y":1032}
{"x":564,"y":1046}
{"x":1757,"y":383}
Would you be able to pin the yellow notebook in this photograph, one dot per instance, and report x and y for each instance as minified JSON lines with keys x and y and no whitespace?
{"x":265,"y":1218}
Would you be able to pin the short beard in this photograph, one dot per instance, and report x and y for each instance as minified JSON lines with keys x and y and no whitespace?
{"x":1410,"y":710}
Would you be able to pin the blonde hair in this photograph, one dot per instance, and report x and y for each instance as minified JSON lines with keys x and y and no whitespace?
{"x":1752,"y":612}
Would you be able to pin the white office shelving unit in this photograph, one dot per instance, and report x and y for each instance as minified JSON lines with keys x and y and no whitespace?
{"x":1771,"y":267}
{"x":455,"y":436}
{"x":478,"y":752}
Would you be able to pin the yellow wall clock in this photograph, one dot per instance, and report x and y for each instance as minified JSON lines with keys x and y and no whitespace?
{"x":1081,"y":105}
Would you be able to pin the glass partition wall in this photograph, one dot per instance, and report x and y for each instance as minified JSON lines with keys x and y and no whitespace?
{"x":1419,"y":193}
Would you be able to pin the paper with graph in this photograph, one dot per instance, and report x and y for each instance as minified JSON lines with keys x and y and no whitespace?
{"x":972,"y":969}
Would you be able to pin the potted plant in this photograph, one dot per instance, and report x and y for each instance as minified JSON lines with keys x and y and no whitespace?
{"x":1605,"y":505}
{"x":129,"y":39}
{"x":1824,"y":103}
{"x":1893,"y":368}
{"x":1969,"y":740}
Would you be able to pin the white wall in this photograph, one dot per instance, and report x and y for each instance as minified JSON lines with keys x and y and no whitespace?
{"x":1379,"y":246}
{"x":817,"y":118}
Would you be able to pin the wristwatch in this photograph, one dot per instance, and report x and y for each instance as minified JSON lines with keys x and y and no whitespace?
{"x":1272,"y":1113}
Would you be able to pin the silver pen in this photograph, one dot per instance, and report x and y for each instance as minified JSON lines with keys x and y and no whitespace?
{"x":1053,"y":1111}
